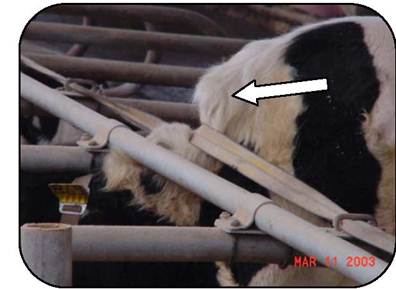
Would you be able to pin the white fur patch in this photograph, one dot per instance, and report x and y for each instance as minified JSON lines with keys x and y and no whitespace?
{"x":379,"y":126}
{"x":271,"y":126}
{"x":173,"y":202}
{"x":271,"y":129}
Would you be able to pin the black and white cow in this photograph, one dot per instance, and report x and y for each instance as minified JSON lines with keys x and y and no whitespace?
{"x":340,"y":142}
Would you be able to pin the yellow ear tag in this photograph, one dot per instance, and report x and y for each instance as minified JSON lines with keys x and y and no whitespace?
{"x":70,"y":195}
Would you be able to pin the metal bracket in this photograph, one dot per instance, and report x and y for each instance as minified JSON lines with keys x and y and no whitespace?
{"x":337,"y":222}
{"x":243,"y":217}
{"x":100,"y":140}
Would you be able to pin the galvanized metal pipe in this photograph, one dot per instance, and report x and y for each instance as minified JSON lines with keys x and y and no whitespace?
{"x":102,"y":70}
{"x":277,"y":222}
{"x":168,"y":244}
{"x":47,"y":251}
{"x":169,"y":111}
{"x":151,"y":13}
{"x":123,"y":38}
{"x":46,"y":158}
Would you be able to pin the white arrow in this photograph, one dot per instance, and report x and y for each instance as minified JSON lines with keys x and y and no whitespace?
{"x":252,"y":93}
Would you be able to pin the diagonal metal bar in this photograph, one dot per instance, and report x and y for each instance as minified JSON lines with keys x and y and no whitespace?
{"x":277,"y":222}
{"x":264,"y":173}
{"x":102,"y":70}
{"x":285,"y":185}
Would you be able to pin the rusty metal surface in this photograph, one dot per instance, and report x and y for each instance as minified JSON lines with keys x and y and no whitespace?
{"x":154,"y":14}
{"x":123,"y":38}
{"x":102,"y":70}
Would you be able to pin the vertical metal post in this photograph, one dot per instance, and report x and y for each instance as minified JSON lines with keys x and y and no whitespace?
{"x":47,"y":251}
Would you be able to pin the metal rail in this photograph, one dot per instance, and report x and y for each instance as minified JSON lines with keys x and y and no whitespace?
{"x":139,"y":243}
{"x":151,"y":13}
{"x":128,"y":89}
{"x":168,"y":111}
{"x":268,"y":176}
{"x":45,"y":158}
{"x":121,"y":38}
{"x":279,"y":223}
{"x":288,"y":187}
{"x":291,"y":15}
{"x":101,"y":70}
{"x":168,"y":244}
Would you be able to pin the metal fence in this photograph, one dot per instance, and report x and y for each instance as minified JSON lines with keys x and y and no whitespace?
{"x":92,"y":243}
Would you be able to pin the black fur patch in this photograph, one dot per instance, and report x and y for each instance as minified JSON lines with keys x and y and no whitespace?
{"x":238,"y":179}
{"x":208,"y":214}
{"x":151,"y":182}
{"x":243,"y":272}
{"x":112,"y":208}
{"x":330,"y":150}
{"x":144,"y":274}
{"x":45,"y":132}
